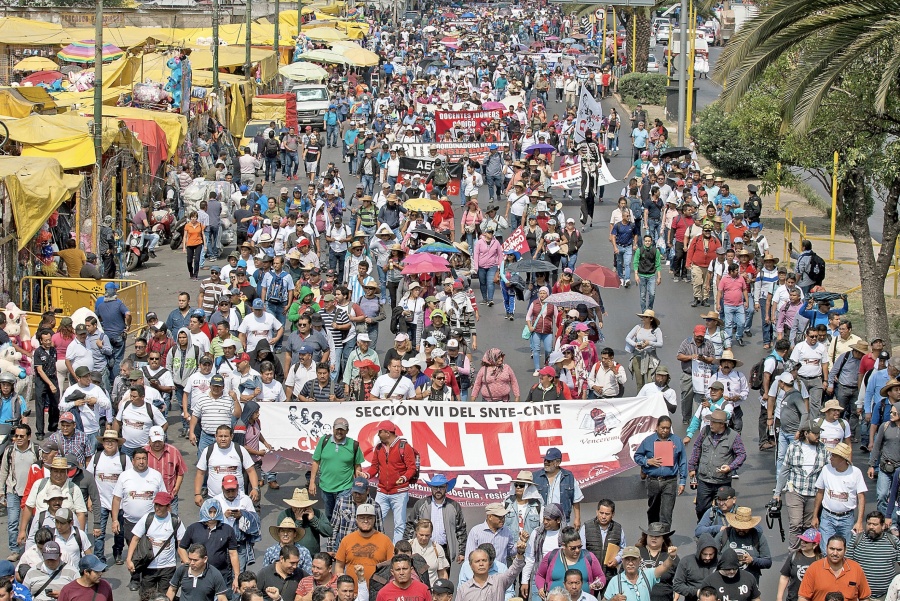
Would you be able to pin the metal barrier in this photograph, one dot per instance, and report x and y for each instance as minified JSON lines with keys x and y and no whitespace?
{"x":38,"y":294}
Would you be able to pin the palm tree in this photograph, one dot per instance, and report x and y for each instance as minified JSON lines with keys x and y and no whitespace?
{"x":824,"y":38}
{"x":641,"y":15}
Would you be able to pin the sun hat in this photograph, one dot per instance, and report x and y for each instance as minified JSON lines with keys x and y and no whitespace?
{"x":742,"y":518}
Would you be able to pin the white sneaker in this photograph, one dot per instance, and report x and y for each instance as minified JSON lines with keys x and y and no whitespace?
{"x":536,"y":373}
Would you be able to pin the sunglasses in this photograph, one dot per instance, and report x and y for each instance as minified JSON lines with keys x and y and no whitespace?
{"x":440,"y":379}
{"x":520,"y":486}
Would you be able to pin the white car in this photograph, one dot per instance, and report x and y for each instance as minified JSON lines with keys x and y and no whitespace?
{"x":662,"y":34}
{"x":708,"y":35}
{"x":652,"y":64}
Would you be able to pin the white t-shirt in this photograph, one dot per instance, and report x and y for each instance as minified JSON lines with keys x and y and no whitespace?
{"x":273,"y":392}
{"x":137,"y":491}
{"x":136,"y":422}
{"x":258,"y":328}
{"x":223,"y":462}
{"x":90,"y":416}
{"x":241,"y":501}
{"x":298,"y":376}
{"x":834,"y":432}
{"x":840,"y":488}
{"x":107,"y":473}
{"x":197,"y":385}
{"x":159,"y":532}
{"x":70,"y":545}
{"x":810,"y":358}
{"x":404,"y":389}
{"x":202,"y":342}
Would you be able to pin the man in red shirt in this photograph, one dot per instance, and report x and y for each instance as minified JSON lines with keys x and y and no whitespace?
{"x":403,"y":585}
{"x":700,"y":254}
{"x":834,"y":573}
{"x":168,"y":461}
{"x":394,"y":464}
{"x":733,"y":291}
{"x":680,"y":225}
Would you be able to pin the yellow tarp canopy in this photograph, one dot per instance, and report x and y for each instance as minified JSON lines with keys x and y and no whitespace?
{"x":127,"y":37}
{"x":13,"y":104}
{"x":152,"y":67}
{"x":66,"y":138}
{"x":25,"y":32}
{"x":36,"y":188}
{"x":235,"y":34}
{"x":174,"y":125}
{"x":38,"y":95}
{"x":67,"y":101}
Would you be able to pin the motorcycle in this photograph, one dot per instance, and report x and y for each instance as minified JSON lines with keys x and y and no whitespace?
{"x":177,"y":233}
{"x":161,"y":221}
{"x":138,"y":250}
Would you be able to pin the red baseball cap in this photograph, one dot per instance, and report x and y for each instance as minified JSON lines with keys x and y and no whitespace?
{"x":162,"y":498}
{"x":242,"y":357}
{"x":387,"y":425}
{"x":67,"y":417}
{"x":229,"y":482}
{"x":699,"y":330}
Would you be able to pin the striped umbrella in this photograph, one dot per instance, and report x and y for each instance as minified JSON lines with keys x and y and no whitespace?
{"x":83,"y":52}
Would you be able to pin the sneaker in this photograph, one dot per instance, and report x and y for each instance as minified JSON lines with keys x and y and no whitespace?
{"x":704,"y":303}
{"x":490,"y":303}
{"x":627,"y":283}
{"x":536,"y":373}
{"x":695,"y":302}
{"x":748,"y":333}
{"x":676,"y":279}
{"x":14,"y":557}
{"x":133,"y":586}
{"x":740,"y":341}
{"x":152,"y":254}
{"x":117,"y":557}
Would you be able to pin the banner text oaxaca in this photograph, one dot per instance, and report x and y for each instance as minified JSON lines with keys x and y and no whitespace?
{"x":483,"y":444}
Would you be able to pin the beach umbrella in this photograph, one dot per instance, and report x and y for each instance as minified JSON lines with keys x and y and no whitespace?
{"x":301,"y":71}
{"x":324,"y":56}
{"x":425,"y":205}
{"x":356,"y":55}
{"x":83,"y":52}
{"x":467,"y":16}
{"x":35,"y":63}
{"x":425,"y":234}
{"x":45,"y":77}
{"x":578,"y":46}
{"x":489,"y":106}
{"x":552,"y":38}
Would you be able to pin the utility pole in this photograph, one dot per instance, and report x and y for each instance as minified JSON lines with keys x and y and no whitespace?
{"x":275,"y":45}
{"x":249,"y":15}
{"x":98,"y":121}
{"x":682,"y":73}
{"x":299,"y":16}
{"x":215,"y":57}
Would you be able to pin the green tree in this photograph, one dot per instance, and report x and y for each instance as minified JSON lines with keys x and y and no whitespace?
{"x":840,"y":93}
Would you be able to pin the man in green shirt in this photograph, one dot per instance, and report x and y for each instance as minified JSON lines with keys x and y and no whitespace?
{"x":336,"y":461}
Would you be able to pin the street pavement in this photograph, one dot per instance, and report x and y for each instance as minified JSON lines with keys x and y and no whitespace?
{"x":167,"y":275}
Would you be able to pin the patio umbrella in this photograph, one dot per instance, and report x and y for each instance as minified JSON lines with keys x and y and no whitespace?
{"x":426,"y":205}
{"x":35,"y":63}
{"x":302,"y":71}
{"x":467,"y":16}
{"x":570,"y":300}
{"x":432,"y":264}
{"x":325,"y":34}
{"x":355,"y":54}
{"x":531,"y":266}
{"x":579,"y":36}
{"x":573,"y":51}
{"x":324,"y":56}
{"x":83,"y":52}
{"x":489,"y":106}
{"x":449,"y":16}
{"x":537,"y":44}
{"x":552,"y":38}
{"x":461,"y":63}
{"x":677,"y":151}
{"x":45,"y":77}
{"x":429,"y":29}
{"x":598,"y":274}
{"x":439,"y":247}
{"x":541,"y":148}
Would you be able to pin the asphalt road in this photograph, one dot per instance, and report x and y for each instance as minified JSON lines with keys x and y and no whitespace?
{"x":167,"y":275}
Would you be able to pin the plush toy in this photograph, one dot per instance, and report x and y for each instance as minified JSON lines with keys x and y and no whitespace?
{"x":81,"y":81}
{"x":82,"y":313}
{"x":151,"y":93}
{"x":17,"y":327}
{"x":9,"y":361}
{"x":173,"y":85}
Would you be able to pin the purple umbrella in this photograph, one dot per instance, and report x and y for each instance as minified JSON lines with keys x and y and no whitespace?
{"x":541,"y":148}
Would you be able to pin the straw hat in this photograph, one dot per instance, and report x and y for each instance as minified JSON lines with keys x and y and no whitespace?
{"x":892,"y":383}
{"x":462,"y":246}
{"x":707,"y":171}
{"x":742,"y":518}
{"x":59,"y":463}
{"x":862,"y":346}
{"x":712,"y":315}
{"x":524,"y":477}
{"x":843,"y":450}
{"x":300,"y":499}
{"x":836,"y":404}
{"x":652,"y":315}
{"x":770,"y":257}
{"x":287,"y":524}
{"x":727,"y":355}
{"x":111,"y":435}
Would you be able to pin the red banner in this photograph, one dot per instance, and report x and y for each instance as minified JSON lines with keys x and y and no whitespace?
{"x":465,"y":121}
{"x":516,"y":241}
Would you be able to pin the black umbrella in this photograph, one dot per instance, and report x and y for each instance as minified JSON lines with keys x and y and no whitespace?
{"x":531,"y":266}
{"x":426,"y":233}
{"x":677,"y":151}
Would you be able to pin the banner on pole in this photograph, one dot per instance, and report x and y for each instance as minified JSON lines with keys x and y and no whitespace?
{"x":516,"y":241}
{"x":569,"y":178}
{"x":465,"y":121}
{"x":589,"y":116}
{"x":483,"y":444}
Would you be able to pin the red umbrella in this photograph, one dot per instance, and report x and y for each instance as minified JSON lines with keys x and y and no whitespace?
{"x":598,"y":274}
{"x":537,"y":44}
{"x":46,"y":77}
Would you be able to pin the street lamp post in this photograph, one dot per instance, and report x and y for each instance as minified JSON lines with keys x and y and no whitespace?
{"x":682,"y":73}
{"x":277,"y":19}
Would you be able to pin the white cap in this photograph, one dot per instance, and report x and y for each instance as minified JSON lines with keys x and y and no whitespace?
{"x":363,"y":337}
{"x":156,"y":433}
{"x":401,"y":337}
{"x":438,"y":352}
{"x":787,"y":377}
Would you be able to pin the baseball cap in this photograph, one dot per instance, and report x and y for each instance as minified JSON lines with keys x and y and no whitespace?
{"x":497,"y":509}
{"x":363,"y":337}
{"x":64,"y":514}
{"x":156,"y":433}
{"x":207,"y":359}
{"x":441,"y":585}
{"x":242,"y":357}
{"x":453,"y":343}
{"x":92,"y":563}
{"x":7,"y":568}
{"x":82,"y":371}
{"x":386,"y":424}
{"x":162,"y":498}
{"x":52,"y":550}
{"x":547,"y":371}
{"x":360,"y":485}
{"x":725,"y":492}
{"x":633,"y":552}
{"x":553,"y":454}
{"x":787,"y":377}
{"x":258,"y":303}
{"x":229,"y":482}
{"x":217,"y":380}
{"x":341,"y":424}
{"x":365,"y":509}
{"x":305,"y":349}
{"x":81,"y":329}
{"x":811,"y":535}
{"x":150,"y":315}
{"x":67,"y":416}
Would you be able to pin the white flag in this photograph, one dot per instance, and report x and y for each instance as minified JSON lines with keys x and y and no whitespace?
{"x":589,"y":117}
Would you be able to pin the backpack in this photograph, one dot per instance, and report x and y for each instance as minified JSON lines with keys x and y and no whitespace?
{"x":277,"y":291}
{"x":327,"y":438}
{"x":271,"y":148}
{"x":9,"y":458}
{"x":100,"y":454}
{"x":415,"y":477}
{"x":758,"y":372}
{"x":240,"y":453}
{"x":441,"y":176}
{"x":816,"y":271}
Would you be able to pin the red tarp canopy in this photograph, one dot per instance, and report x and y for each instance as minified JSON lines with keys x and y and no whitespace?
{"x":153,"y":137}
{"x":290,"y":112}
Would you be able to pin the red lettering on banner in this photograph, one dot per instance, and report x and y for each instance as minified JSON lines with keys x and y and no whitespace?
{"x":532,"y":443}
{"x":425,"y":440}
{"x":490,"y":439}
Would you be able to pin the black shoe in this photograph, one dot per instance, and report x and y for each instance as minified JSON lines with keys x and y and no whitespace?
{"x":863,"y":448}
{"x":740,"y":342}
{"x":748,"y":333}
{"x":490,"y":303}
{"x":134,"y":585}
{"x":695,"y":302}
{"x":704,"y":303}
{"x":117,"y":557}
{"x":152,"y":254}
{"x":39,"y":436}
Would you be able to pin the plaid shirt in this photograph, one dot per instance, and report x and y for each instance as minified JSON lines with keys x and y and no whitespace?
{"x":343,"y":521}
{"x":75,"y":444}
{"x":170,"y":465}
{"x":792,"y":476}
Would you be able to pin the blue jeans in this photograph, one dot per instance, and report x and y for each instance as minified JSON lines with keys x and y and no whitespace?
{"x":882,"y":491}
{"x":784,"y":440}
{"x":495,"y":186}
{"x":568,"y":261}
{"x":538,"y":340}
{"x":748,"y":315}
{"x":271,"y":169}
{"x":647,"y":284}
{"x":624,"y":255}
{"x":734,"y":321}
{"x":291,"y":164}
{"x":118,"y":346}
{"x":486,"y":282}
{"x":118,"y":539}
{"x":331,"y":135}
{"x":830,"y":524}
{"x":13,"y":511}
{"x":204,"y":441}
{"x":509,"y":299}
{"x":396,"y":503}
{"x":368,"y":181}
{"x":653,"y":226}
{"x":329,"y":500}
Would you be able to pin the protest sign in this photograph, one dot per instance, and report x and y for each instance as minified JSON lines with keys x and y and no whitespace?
{"x":466,"y":121}
{"x":483,"y":444}
{"x":569,"y":178}
{"x":589,"y":116}
{"x":516,"y":241}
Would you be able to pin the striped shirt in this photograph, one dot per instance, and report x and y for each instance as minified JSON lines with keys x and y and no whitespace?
{"x":212,"y":412}
{"x":796,"y":474}
{"x":503,"y":540}
{"x":335,"y":318}
{"x":343,"y":521}
{"x":322,"y":394}
{"x":878,"y":558}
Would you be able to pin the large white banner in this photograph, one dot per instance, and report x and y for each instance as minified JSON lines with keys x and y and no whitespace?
{"x":569,"y":178}
{"x":484,"y":445}
{"x":589,"y":116}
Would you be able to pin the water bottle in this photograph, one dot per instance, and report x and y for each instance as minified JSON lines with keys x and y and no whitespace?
{"x":693,"y":482}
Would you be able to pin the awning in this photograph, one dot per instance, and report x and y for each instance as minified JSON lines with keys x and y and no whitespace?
{"x":36,"y":188}
{"x":153,"y":137}
{"x":27,"y":32}
{"x":174,"y":125}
